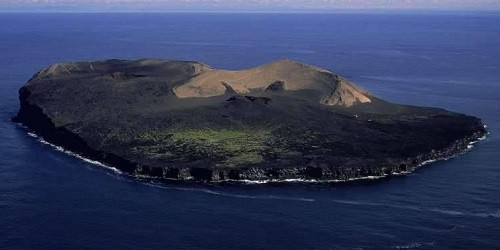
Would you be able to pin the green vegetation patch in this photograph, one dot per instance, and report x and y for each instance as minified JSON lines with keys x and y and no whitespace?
{"x":238,"y":146}
{"x":235,"y":146}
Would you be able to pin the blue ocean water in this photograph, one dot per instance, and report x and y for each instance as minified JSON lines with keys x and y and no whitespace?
{"x":52,"y":200}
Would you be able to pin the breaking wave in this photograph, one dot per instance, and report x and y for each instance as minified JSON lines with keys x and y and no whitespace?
{"x":244,"y":181}
{"x":495,"y":214}
{"x":61,"y":149}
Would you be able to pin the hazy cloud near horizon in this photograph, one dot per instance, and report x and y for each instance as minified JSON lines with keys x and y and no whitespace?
{"x":166,"y":5}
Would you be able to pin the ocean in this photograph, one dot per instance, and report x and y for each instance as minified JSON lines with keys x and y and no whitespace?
{"x":53,"y":200}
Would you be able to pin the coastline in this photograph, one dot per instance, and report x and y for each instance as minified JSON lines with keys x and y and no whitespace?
{"x":301,"y":149}
{"x":456,"y":149}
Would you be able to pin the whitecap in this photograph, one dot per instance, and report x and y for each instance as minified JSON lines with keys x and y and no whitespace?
{"x":489,"y":215}
{"x":448,"y":212}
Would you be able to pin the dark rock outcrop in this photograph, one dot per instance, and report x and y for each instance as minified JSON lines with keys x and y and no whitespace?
{"x":140,"y":117}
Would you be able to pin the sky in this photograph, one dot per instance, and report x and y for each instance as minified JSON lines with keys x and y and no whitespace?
{"x":244,"y":5}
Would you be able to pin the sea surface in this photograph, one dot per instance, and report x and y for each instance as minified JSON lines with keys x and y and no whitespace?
{"x":52,"y":200}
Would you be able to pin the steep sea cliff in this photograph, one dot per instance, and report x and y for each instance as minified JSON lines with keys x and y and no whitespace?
{"x":146,"y":131}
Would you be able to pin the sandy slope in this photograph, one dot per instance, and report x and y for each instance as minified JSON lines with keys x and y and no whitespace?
{"x":278,"y":76}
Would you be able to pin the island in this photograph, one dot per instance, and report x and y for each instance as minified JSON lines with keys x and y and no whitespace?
{"x":184,"y":120}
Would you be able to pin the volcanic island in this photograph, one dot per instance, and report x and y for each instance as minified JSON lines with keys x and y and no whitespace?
{"x":184,"y":120}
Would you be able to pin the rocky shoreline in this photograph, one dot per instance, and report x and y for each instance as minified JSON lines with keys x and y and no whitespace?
{"x":33,"y":119}
{"x":281,"y":121}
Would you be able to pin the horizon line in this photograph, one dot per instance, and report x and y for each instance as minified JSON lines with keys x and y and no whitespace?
{"x":377,"y":10}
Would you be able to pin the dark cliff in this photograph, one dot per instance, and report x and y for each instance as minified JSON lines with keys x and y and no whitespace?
{"x":283,"y":120}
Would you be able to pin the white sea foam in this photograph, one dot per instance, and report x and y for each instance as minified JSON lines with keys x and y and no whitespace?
{"x":413,"y":245}
{"x":303,"y":180}
{"x":32,"y":135}
{"x":449,"y":212}
{"x":409,"y":245}
{"x":467,"y":149}
{"x":430,"y":161}
{"x":61,"y":149}
{"x":242,"y":196}
{"x":246,"y":181}
{"x":495,"y":215}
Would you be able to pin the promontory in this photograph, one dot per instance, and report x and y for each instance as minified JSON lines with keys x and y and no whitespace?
{"x":283,"y":120}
